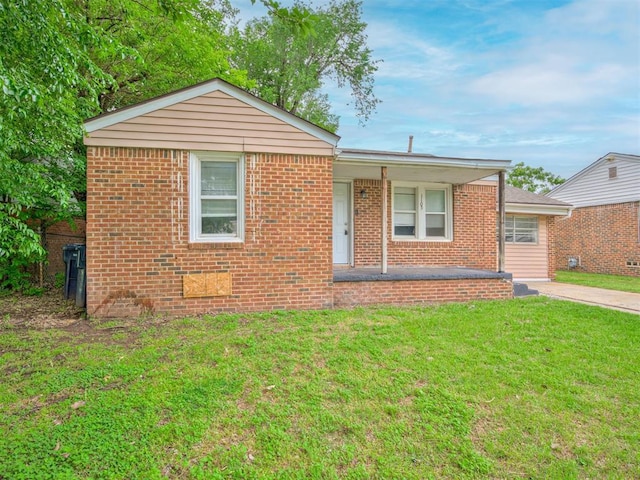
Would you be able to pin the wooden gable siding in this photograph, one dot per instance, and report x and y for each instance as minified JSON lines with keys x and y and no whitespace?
{"x":526,"y":260}
{"x":594,"y":187}
{"x":211,"y":122}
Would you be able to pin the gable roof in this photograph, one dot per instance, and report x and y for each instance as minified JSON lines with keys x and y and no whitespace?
{"x":214,"y":85}
{"x":593,"y":185}
{"x":522,"y":201}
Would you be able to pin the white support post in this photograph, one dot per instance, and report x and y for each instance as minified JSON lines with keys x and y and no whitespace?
{"x":501,"y":221}
{"x":383,"y":206}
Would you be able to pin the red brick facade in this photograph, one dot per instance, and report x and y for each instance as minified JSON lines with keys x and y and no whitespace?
{"x":139,"y":251}
{"x":138,"y":245}
{"x":551,"y":247}
{"x":604,"y":239}
{"x":349,"y":294}
{"x":474,"y":231}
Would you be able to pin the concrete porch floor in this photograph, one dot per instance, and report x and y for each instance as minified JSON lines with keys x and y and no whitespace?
{"x":370,"y":274}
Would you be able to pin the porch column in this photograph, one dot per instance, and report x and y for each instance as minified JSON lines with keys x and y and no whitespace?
{"x":383,"y":206}
{"x":501,"y":221}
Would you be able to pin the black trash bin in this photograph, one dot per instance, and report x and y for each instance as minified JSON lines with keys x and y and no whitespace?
{"x":81,"y":282}
{"x":74,"y":256}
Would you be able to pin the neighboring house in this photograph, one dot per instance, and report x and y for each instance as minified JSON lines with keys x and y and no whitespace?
{"x":209,"y":200}
{"x":530,"y":234}
{"x":602,"y":235}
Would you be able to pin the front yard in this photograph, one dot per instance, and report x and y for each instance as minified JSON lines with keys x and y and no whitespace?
{"x":527,"y":388}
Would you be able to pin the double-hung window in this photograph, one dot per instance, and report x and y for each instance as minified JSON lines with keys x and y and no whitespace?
{"x":216,"y":197}
{"x":521,"y":229}
{"x":422,"y":212}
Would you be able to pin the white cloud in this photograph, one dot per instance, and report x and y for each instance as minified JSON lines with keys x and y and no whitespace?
{"x":551,"y":81}
{"x":582,"y":52}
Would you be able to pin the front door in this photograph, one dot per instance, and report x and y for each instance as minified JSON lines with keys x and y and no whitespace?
{"x":341,"y":223}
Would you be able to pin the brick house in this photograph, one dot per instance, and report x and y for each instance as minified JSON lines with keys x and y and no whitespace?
{"x":602,"y":234}
{"x":210,"y":200}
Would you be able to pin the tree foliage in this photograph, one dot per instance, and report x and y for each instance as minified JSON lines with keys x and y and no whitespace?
{"x":290,"y":66}
{"x":532,"y":179}
{"x":49,"y":85}
{"x":170,"y":45}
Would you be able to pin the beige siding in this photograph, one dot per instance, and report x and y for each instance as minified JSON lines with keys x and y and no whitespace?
{"x":216,"y":122}
{"x":529,"y":261}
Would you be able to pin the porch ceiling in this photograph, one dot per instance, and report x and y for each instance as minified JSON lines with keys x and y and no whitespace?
{"x":365,"y":164}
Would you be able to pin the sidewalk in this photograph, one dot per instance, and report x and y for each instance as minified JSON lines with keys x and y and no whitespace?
{"x":624,"y":301}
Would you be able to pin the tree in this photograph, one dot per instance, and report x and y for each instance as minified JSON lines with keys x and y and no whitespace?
{"x":49,"y":84}
{"x":532,"y":179}
{"x":290,"y":66}
{"x":170,"y":45}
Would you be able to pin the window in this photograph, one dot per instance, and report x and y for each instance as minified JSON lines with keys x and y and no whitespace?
{"x":216,"y":197}
{"x":404,"y":211}
{"x":521,"y":229}
{"x":421,"y":212}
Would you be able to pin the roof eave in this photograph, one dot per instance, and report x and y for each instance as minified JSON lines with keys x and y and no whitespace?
{"x":492,"y":166}
{"x":535,"y":209}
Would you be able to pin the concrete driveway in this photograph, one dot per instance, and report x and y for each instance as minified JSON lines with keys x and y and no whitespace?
{"x":624,"y":301}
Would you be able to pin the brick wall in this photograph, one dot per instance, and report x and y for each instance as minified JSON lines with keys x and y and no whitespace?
{"x":348,"y":294}
{"x":138,"y":245}
{"x":474,"y":231}
{"x":604,"y":237}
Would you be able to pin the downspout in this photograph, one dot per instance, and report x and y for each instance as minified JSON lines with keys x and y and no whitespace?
{"x":383,"y":206}
{"x":501,"y":221}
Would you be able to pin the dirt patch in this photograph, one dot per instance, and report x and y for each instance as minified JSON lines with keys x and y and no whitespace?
{"x":49,"y":310}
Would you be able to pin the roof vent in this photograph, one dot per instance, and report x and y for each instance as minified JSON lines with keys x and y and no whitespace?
{"x":613,"y":172}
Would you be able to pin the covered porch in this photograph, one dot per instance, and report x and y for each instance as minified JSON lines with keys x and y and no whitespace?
{"x":415,"y":228}
{"x":395,"y":209}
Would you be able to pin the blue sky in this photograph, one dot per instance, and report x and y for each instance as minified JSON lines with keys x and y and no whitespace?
{"x":552,"y":83}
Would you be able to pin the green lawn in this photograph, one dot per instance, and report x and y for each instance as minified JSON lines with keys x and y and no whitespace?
{"x":610,"y":282}
{"x":526,"y":388}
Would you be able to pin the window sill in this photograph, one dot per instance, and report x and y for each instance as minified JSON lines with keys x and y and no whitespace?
{"x":422,"y":240}
{"x":215,"y":245}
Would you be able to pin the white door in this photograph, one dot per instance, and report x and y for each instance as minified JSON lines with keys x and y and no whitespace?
{"x":341,"y":224}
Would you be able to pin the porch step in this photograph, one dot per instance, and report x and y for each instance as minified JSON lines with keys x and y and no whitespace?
{"x":523,"y":290}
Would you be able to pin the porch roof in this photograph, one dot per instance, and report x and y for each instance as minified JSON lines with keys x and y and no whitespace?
{"x":407,"y":166}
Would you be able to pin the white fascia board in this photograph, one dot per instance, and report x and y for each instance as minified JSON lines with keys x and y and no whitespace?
{"x":389,"y":160}
{"x":531,"y":209}
{"x":204,"y":88}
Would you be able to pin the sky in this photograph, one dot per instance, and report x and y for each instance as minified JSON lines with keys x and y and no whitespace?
{"x":551,"y":83}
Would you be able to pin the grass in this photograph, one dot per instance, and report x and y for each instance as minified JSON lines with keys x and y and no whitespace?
{"x":609,"y":282}
{"x":527,"y":388}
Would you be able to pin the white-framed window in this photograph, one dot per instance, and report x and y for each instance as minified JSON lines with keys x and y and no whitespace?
{"x":422,"y":211}
{"x":216,"y":197}
{"x":521,"y":229}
